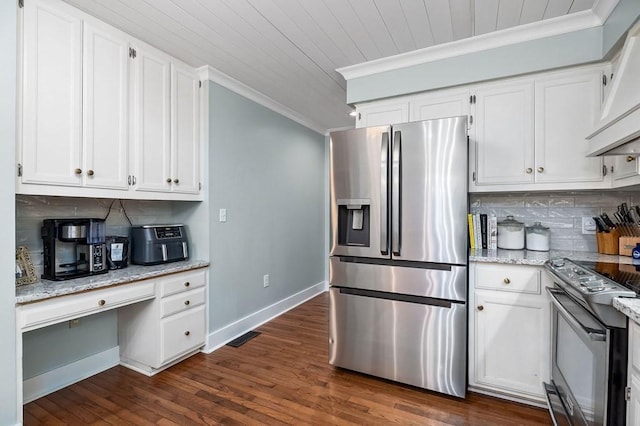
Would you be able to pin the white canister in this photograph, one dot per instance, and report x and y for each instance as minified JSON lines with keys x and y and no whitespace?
{"x":510,"y":234}
{"x":537,"y":237}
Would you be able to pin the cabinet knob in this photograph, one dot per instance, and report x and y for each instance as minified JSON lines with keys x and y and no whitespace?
{"x":540,"y":169}
{"x":90,"y":172}
{"x":168,"y":180}
{"x":176,"y":181}
{"x":101,"y":302}
{"x":506,"y":280}
{"x":186,"y":333}
{"x":529,"y":170}
{"x":480,"y":307}
{"x":630,"y":158}
{"x":78,"y":171}
{"x":186,"y":302}
{"x":187,"y":284}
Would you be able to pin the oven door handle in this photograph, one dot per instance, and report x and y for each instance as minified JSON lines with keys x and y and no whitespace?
{"x":595,"y":335}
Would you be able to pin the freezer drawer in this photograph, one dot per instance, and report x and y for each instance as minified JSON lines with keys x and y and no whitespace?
{"x":408,"y":342}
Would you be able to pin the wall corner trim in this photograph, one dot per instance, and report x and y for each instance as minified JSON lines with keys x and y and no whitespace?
{"x":207,"y":72}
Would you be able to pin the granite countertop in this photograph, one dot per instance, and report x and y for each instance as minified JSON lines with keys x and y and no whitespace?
{"x":46,"y":289}
{"x":528,"y":257}
{"x":628,"y":306}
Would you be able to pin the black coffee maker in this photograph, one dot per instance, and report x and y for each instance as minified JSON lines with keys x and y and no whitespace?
{"x":73,"y":248}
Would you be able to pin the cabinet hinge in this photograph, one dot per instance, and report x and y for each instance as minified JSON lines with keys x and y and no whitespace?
{"x":19,"y":170}
{"x":627,"y":393}
{"x":132,"y":52}
{"x":20,"y":4}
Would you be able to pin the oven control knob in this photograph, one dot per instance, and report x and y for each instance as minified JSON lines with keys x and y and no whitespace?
{"x":557,"y":263}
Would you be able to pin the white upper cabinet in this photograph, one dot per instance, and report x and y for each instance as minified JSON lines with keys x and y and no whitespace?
{"x":567,"y":106}
{"x":439,"y":104}
{"x":103,"y":114}
{"x":382,"y":113}
{"x":185,"y":133}
{"x":504,"y":133}
{"x":105,"y":107}
{"x":151,"y":124}
{"x":52,"y":95}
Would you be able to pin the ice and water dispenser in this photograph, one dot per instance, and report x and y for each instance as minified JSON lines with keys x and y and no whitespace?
{"x":353,"y":222}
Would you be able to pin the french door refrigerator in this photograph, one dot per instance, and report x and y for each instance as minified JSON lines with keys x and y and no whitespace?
{"x":398,"y":262}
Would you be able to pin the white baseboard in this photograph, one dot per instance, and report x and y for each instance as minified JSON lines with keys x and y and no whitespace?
{"x":51,"y":381}
{"x":229,"y":332}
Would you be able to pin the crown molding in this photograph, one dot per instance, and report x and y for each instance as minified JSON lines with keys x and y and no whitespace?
{"x":207,"y":72}
{"x":603,"y":8}
{"x":533,"y":31}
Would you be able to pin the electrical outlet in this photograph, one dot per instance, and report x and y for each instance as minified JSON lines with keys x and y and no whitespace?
{"x":265,"y":280}
{"x":74,"y":323}
{"x":223,"y":215}
{"x":588,"y":225}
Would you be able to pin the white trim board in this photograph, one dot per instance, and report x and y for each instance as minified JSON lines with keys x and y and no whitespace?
{"x":51,"y":381}
{"x":231,"y":331}
{"x":533,"y":31}
{"x":207,"y":72}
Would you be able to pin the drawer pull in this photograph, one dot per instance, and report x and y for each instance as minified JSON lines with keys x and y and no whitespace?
{"x":480,"y":307}
{"x":186,"y":302}
{"x":507,"y":281}
{"x":187,"y":284}
{"x":101,"y":302}
{"x":186,"y":333}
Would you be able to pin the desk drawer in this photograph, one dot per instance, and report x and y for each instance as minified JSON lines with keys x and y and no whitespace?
{"x":181,"y":282}
{"x":515,"y":278}
{"x":181,"y":302}
{"x":58,"y":309}
{"x":181,"y":333}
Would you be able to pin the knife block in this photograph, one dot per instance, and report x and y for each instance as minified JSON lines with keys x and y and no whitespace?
{"x":609,"y":242}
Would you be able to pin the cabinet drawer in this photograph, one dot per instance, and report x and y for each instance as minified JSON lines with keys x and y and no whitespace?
{"x":63,"y":308}
{"x":181,"y":302}
{"x":181,"y":282}
{"x":517,"y":278}
{"x":181,"y":333}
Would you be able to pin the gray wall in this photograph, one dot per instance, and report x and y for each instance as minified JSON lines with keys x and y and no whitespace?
{"x":574,"y":48}
{"x":8,"y":377}
{"x":269,"y":173}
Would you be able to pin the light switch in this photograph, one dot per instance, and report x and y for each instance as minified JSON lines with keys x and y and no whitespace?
{"x":223,"y":215}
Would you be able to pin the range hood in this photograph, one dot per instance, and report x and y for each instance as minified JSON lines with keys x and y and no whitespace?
{"x":618,"y":131}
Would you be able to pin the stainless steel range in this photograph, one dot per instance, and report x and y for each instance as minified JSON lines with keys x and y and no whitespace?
{"x":589,"y":358}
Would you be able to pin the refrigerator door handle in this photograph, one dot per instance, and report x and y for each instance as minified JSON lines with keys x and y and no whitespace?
{"x":384,"y":193}
{"x":396,"y":196}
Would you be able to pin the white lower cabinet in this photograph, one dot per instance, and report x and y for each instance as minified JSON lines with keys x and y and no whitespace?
{"x":509,"y":331}
{"x":155,"y":334}
{"x":633,"y":382}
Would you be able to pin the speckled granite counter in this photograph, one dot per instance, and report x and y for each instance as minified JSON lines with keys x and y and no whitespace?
{"x":46,"y":289}
{"x":526,"y":257}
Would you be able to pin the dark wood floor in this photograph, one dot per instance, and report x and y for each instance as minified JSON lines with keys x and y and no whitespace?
{"x":281,"y":376}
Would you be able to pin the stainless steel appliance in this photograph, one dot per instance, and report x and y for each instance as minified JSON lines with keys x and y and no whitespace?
{"x":154,"y":244}
{"x":590,"y":342}
{"x":73,"y":248}
{"x":398,"y":265}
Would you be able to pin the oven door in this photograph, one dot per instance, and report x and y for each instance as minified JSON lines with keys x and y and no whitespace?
{"x":579,"y":371}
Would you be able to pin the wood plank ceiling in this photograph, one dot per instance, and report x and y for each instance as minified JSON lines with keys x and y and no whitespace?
{"x":289,"y":50}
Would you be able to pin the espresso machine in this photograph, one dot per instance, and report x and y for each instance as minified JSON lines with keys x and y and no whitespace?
{"x":73,"y":248}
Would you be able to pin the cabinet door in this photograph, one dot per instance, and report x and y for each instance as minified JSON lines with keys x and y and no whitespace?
{"x":625,"y":166}
{"x":185,"y":129}
{"x":504,"y":133}
{"x":382,"y":113}
{"x":567,"y":107}
{"x":512,"y":342}
{"x":52,"y":96}
{"x":441,"y":104}
{"x":151,"y":120}
{"x":105,"y":106}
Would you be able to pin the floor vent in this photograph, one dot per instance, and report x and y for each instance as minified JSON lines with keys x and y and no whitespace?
{"x":239,"y":341}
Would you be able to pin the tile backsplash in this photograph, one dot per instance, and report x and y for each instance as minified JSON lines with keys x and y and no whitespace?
{"x":562,"y":212}
{"x":31,"y":210}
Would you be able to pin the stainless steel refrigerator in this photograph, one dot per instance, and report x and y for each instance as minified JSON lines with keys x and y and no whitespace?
{"x":398,"y":264}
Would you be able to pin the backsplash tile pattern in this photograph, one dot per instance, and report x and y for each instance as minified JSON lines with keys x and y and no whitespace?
{"x":562,"y":212}
{"x":31,"y":210}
